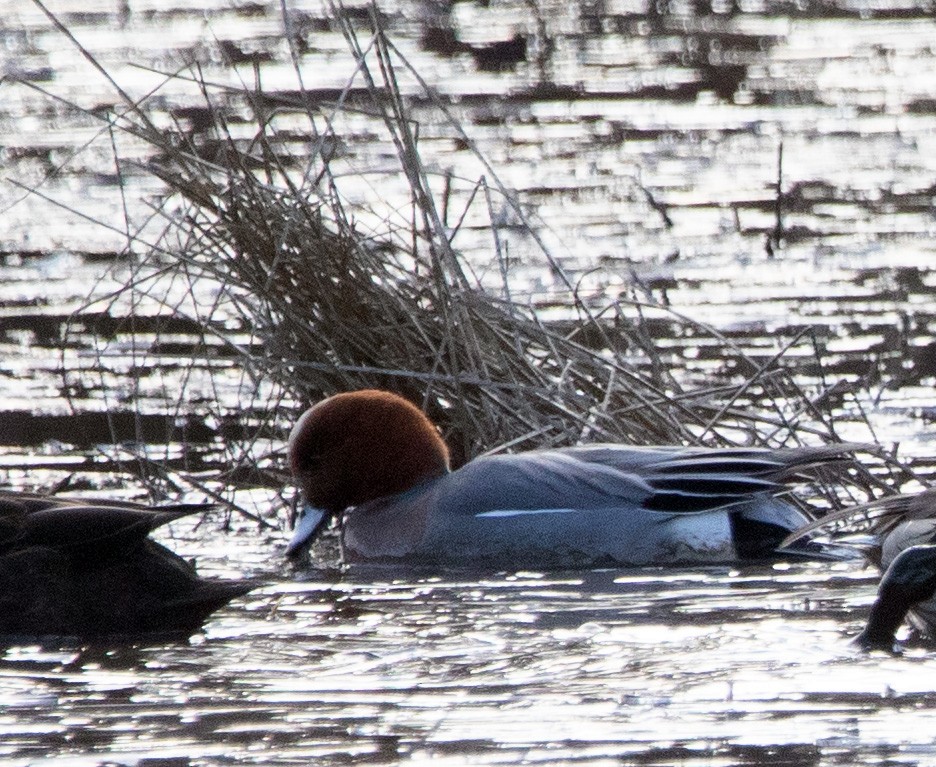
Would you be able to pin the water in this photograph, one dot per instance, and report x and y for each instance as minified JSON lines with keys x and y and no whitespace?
{"x":653,"y":152}
{"x":696,"y":667}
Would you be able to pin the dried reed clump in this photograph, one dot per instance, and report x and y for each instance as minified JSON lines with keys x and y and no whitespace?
{"x":335,"y":308}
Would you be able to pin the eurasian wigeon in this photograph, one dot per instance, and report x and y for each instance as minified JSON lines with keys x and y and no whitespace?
{"x":71,"y":568}
{"x":376,"y":461}
{"x":900,"y":539}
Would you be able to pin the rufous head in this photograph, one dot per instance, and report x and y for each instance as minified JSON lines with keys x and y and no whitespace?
{"x":354,"y":447}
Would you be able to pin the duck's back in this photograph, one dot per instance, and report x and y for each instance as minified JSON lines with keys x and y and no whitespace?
{"x":72,"y":569}
{"x":601,"y":505}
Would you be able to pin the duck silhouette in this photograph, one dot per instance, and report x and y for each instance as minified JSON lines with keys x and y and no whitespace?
{"x":376,"y":462}
{"x":89,"y":569}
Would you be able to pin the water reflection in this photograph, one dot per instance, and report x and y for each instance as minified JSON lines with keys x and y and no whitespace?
{"x":384,"y":667}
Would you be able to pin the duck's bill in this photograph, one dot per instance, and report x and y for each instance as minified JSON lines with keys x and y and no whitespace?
{"x":311,"y":521}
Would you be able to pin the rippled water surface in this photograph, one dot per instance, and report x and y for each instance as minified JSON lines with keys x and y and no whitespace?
{"x":644,"y":138}
{"x":696,"y":666}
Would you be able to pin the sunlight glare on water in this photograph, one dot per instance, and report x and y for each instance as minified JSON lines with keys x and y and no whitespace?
{"x":700,"y":667}
{"x":385,"y":666}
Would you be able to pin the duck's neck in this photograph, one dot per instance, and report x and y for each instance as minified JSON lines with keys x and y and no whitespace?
{"x":887,"y":613}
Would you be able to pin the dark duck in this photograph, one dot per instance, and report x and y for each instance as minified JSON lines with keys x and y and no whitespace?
{"x":900,"y":540}
{"x":89,"y":569}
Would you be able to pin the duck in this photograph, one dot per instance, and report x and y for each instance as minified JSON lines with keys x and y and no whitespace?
{"x":88,"y":570}
{"x":907,"y":587}
{"x":900,"y":540}
{"x":374,"y":461}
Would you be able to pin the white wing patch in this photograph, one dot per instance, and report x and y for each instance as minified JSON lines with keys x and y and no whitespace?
{"x":524,"y":512}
